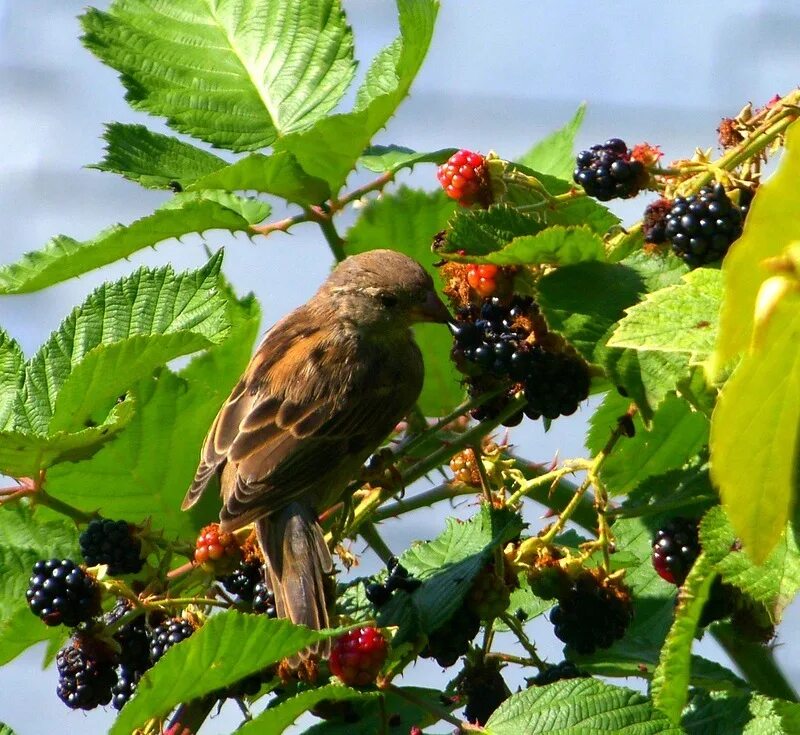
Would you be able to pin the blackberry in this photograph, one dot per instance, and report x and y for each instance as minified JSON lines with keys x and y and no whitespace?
{"x":607,"y":171}
{"x":85,"y":673}
{"x":243,"y":580}
{"x":111,"y":542}
{"x":654,"y":221}
{"x":464,"y":178}
{"x":123,"y":690}
{"x":60,"y":592}
{"x":485,"y":690}
{"x":168,"y":634}
{"x":378,"y":594}
{"x":447,"y":643}
{"x":555,"y":385}
{"x":675,"y":548}
{"x":215,"y":545}
{"x":701,"y":227}
{"x":358,"y":655}
{"x":557,"y":672}
{"x":592,"y":614}
{"x":488,"y":597}
{"x":133,"y":638}
{"x":746,"y":196}
{"x":264,"y":601}
{"x":398,"y":579}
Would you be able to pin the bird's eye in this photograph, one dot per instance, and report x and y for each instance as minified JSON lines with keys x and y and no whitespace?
{"x":388,"y":299}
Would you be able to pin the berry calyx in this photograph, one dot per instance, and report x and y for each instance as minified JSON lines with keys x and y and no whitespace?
{"x":702,"y":227}
{"x":675,"y":547}
{"x":111,"y":542}
{"x":61,"y":593}
{"x":608,"y":171}
{"x":214,"y":545}
{"x":464,"y":178}
{"x":358,"y":656}
{"x":85,"y":673}
{"x":167,"y":635}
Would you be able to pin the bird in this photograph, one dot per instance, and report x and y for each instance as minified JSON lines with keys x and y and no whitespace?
{"x":325,"y":387}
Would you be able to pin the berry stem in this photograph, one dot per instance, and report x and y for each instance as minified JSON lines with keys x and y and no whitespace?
{"x":332,"y":237}
{"x":485,"y":484}
{"x":510,"y":658}
{"x":516,"y":628}
{"x":445,"y":491}
{"x":370,"y":534}
{"x":564,"y":516}
{"x":551,"y":478}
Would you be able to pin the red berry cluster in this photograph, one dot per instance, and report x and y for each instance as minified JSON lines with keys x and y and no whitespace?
{"x":358,"y":655}
{"x":463,"y":178}
{"x":214,"y":544}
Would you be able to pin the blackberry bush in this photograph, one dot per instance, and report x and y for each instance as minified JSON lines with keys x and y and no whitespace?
{"x":607,"y":171}
{"x":61,"y":593}
{"x":112,"y":542}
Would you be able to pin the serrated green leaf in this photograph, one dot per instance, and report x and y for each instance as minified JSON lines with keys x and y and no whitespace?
{"x":275,"y":720}
{"x":584,"y":300}
{"x":555,"y":245}
{"x":394,"y":158}
{"x":64,"y":258}
{"x":677,"y":434}
{"x":229,"y":647}
{"x":236,"y":75}
{"x":173,"y":415}
{"x":480,"y":232}
{"x":770,"y":226}
{"x":446,"y":567}
{"x":12,"y":375}
{"x":555,"y":154}
{"x":278,"y":174}
{"x":686,"y":491}
{"x":407,"y":221}
{"x":679,"y":318}
{"x":578,"y":707}
{"x":330,"y":148}
{"x":670,"y":688}
{"x":743,"y":714}
{"x":5,"y":730}
{"x":154,"y":160}
{"x":754,"y":434}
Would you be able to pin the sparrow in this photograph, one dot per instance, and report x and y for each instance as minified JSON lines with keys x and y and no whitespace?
{"x":326,"y":385}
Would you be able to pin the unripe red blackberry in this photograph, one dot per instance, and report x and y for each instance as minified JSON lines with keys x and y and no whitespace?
{"x":483,"y":279}
{"x":214,"y":545}
{"x":464,"y":178}
{"x":675,"y":548}
{"x":112,"y":542}
{"x":61,"y":593}
{"x":358,"y":655}
{"x":168,"y":634}
{"x":85,"y":673}
{"x":607,"y":171}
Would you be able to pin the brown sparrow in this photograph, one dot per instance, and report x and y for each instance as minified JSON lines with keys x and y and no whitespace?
{"x":325,"y":387}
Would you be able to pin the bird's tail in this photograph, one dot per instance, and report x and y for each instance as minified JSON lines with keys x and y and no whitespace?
{"x":297,"y":561}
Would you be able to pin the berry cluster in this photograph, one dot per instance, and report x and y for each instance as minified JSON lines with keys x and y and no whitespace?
{"x":449,"y":642}
{"x":592,"y":613}
{"x":358,"y":656}
{"x":61,"y":593}
{"x":464,"y":178}
{"x":702,"y":227}
{"x":134,"y":657}
{"x":675,"y":548}
{"x":112,"y":542}
{"x":213,"y":544}
{"x":557,"y":672}
{"x":398,"y":579}
{"x":607,"y":171}
{"x":482,"y":684}
{"x":493,"y":343}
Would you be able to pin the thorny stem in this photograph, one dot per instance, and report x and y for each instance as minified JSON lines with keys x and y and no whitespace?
{"x":370,"y":534}
{"x":59,"y":506}
{"x":447,"y":490}
{"x":565,"y":514}
{"x":510,"y":658}
{"x":551,"y":478}
{"x":516,"y":628}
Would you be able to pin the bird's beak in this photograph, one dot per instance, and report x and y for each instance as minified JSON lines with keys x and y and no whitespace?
{"x":431,"y":310}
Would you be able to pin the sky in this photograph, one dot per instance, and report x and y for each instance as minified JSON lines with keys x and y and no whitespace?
{"x":498,"y":77}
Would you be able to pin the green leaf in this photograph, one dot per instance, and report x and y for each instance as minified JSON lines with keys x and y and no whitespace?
{"x":64,"y":258}
{"x":236,"y":75}
{"x":481,"y":232}
{"x":555,"y":154}
{"x":278,"y":174}
{"x":743,"y":714}
{"x":329,"y":150}
{"x":25,"y":538}
{"x":584,"y":300}
{"x":275,"y":720}
{"x":447,"y":565}
{"x":394,"y":158}
{"x":555,"y":245}
{"x":679,"y":318}
{"x":676,"y":435}
{"x":229,"y":647}
{"x":407,"y":221}
{"x":154,"y":160}
{"x":770,"y":226}
{"x":173,"y":415}
{"x":687,"y":491}
{"x":12,"y":375}
{"x":578,"y":707}
{"x":754,"y":434}
{"x":670,"y":688}
{"x":5,"y":730}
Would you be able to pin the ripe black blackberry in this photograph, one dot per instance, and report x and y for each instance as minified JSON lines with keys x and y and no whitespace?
{"x":133,"y":638}
{"x":85,"y":673}
{"x":482,"y":684}
{"x":701,"y":227}
{"x":398,"y":579}
{"x":607,"y":171}
{"x":592,"y":614}
{"x":264,"y":601}
{"x":557,"y":672}
{"x":556,"y":384}
{"x":447,"y":643}
{"x":123,"y":690}
{"x":111,"y":542}
{"x":168,"y":634}
{"x":243,"y":580}
{"x":60,"y":592}
{"x":675,"y":547}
